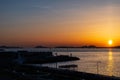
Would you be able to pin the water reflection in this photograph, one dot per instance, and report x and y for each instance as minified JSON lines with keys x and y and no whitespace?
{"x":110,"y":63}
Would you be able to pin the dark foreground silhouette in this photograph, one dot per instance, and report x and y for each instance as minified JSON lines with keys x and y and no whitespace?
{"x":28,"y":72}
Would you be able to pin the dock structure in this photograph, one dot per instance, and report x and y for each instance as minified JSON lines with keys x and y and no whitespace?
{"x":33,"y":57}
{"x":62,"y":74}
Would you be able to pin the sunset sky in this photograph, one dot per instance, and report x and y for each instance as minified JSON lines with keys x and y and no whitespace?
{"x":59,"y":22}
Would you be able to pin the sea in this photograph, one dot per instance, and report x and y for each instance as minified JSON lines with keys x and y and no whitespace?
{"x":104,"y":61}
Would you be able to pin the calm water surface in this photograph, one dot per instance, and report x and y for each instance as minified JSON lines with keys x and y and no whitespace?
{"x":101,"y":62}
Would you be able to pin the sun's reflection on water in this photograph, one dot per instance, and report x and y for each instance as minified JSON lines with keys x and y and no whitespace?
{"x":110,"y":63}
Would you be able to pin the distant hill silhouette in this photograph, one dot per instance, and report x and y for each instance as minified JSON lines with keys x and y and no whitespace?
{"x":85,"y":46}
{"x":117,"y":47}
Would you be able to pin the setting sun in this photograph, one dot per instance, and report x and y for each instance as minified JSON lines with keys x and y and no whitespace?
{"x":110,"y":42}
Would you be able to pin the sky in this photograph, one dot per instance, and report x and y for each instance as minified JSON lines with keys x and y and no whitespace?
{"x":59,"y":22}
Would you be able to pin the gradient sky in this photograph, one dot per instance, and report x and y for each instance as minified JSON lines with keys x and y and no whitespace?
{"x":59,"y":22}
